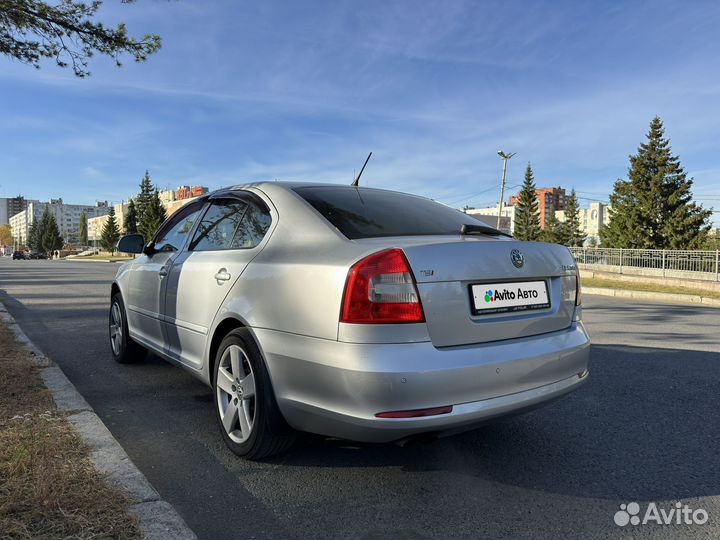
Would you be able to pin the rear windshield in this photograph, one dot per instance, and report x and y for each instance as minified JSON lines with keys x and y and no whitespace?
{"x":372,"y":213}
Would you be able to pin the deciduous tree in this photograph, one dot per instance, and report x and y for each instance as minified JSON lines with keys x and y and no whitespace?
{"x":6,"y":237}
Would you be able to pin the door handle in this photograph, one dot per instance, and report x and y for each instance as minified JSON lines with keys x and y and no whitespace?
{"x":163,"y":271}
{"x":222,"y":275}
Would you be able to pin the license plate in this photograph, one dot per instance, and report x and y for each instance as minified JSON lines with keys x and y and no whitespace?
{"x":503,"y":297}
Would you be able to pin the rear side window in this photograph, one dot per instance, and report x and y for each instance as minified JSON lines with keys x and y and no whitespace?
{"x":230,"y":224}
{"x":371,"y":213}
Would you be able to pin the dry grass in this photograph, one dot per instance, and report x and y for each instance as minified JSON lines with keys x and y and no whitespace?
{"x":49,"y":488}
{"x":651,"y":287}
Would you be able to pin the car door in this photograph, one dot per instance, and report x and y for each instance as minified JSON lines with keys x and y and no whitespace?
{"x":146,"y":291}
{"x":227,"y":238}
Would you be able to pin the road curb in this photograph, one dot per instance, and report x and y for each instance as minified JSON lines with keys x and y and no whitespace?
{"x":686,"y":299}
{"x":158,"y":520}
{"x":102,"y":261}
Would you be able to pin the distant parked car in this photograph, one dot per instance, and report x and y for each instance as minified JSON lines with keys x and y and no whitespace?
{"x":351,"y":312}
{"x":19,"y":255}
{"x":38,"y":256}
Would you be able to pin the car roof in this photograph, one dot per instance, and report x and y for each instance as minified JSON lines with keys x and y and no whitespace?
{"x":289,"y":185}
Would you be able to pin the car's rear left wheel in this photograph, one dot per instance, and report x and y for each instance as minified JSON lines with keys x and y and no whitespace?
{"x":250,"y":421}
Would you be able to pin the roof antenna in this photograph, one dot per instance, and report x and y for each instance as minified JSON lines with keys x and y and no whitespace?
{"x":355,"y":182}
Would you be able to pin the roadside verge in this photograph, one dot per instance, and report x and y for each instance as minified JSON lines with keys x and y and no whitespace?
{"x":156,"y":518}
{"x":672,"y":298}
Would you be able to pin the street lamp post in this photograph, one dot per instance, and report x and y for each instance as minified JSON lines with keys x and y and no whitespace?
{"x":505,"y":157}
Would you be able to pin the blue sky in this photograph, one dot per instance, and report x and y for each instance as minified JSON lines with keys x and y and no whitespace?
{"x":245,"y":91}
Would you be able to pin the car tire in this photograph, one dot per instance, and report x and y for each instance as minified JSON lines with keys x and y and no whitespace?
{"x":122,"y":347}
{"x":248,"y":416}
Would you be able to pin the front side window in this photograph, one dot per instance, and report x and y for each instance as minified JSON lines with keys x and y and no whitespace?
{"x":231,"y":224}
{"x":173,"y":236}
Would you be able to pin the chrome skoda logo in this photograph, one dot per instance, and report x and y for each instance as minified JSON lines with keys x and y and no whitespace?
{"x":517,"y":258}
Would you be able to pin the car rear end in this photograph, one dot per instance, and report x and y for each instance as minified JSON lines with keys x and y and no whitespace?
{"x":437,"y":331}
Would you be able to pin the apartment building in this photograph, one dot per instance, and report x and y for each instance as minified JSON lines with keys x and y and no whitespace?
{"x":553,"y":197}
{"x":67,"y":217}
{"x":11,"y":206}
{"x":97,"y":224}
{"x":592,"y":219}
{"x":187,"y":192}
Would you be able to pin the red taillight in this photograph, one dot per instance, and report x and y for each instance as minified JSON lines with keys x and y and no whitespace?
{"x":416,"y":413}
{"x":380,"y":289}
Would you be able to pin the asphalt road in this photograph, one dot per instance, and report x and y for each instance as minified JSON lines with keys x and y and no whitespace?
{"x":645,"y":428}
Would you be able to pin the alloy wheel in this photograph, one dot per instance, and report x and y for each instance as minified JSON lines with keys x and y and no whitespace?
{"x":116,"y":329}
{"x":235,"y":391}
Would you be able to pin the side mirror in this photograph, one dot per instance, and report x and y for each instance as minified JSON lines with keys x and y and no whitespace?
{"x":131,"y":243}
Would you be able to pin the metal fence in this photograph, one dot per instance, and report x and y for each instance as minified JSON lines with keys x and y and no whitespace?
{"x":693,"y":264}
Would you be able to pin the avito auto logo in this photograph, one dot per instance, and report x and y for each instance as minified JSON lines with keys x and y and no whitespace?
{"x":491,"y":296}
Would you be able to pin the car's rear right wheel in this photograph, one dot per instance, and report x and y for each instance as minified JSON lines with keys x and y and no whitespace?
{"x":250,"y":421}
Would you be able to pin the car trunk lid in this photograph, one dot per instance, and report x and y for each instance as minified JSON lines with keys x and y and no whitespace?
{"x":454,"y":273}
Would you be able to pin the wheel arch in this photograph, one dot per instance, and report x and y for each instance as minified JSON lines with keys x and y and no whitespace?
{"x":221,"y":330}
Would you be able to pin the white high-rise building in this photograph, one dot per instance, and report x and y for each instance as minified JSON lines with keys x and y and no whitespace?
{"x":592,"y":219}
{"x":67,"y":217}
{"x":492,"y":211}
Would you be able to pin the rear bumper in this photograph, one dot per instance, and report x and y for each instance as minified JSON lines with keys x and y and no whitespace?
{"x":336,"y":389}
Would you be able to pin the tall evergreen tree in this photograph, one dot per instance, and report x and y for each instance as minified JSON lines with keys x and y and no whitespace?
{"x":153,"y":217}
{"x":553,"y":231}
{"x":51,"y":238}
{"x":572,"y":234}
{"x":110,"y":233}
{"x":41,"y":229}
{"x":131,"y":225}
{"x":142,"y":201}
{"x":33,"y":242}
{"x":83,"y":230}
{"x":653,"y":208}
{"x":527,"y":217}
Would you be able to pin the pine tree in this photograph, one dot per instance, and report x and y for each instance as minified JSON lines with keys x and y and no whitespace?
{"x":527,"y":217}
{"x":51,"y":239}
{"x":142,"y":201}
{"x":131,"y":226}
{"x":110,"y":233}
{"x":653,"y":208}
{"x":33,"y":236}
{"x":572,"y":234}
{"x":553,"y":231}
{"x":153,"y":217}
{"x":40,"y":230}
{"x":83,"y":230}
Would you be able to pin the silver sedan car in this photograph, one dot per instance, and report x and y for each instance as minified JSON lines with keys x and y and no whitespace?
{"x":350,"y":312}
